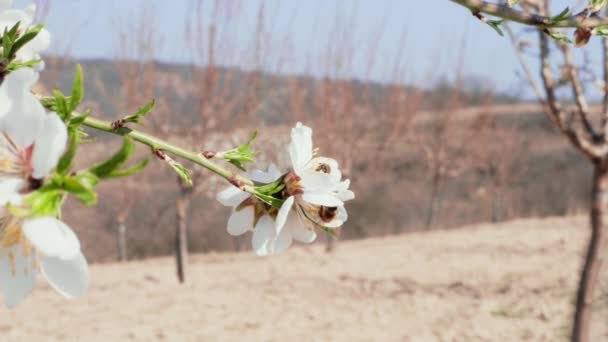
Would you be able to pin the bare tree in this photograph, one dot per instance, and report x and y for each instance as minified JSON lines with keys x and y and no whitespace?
{"x":574,"y":121}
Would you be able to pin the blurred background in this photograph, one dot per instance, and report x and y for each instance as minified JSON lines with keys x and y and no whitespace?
{"x":426,"y":109}
{"x":415,"y":110}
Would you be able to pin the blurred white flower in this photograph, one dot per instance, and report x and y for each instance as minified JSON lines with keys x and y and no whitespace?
{"x":31,"y":141}
{"x":9,"y":17}
{"x":43,"y":243}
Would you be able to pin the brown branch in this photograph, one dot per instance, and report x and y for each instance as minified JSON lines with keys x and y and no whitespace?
{"x":555,"y":113}
{"x":527,"y":71}
{"x":577,"y":88}
{"x":605,"y":88}
{"x":531,"y":19}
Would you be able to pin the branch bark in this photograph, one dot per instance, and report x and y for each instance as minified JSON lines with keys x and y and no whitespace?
{"x":531,"y":19}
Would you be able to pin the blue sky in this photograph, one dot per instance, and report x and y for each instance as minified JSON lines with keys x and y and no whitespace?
{"x":434,"y":31}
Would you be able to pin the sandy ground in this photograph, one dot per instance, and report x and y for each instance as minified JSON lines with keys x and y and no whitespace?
{"x":507,"y":282}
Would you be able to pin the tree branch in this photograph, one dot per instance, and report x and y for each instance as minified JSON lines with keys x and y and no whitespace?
{"x":158,"y":144}
{"x":577,"y":88}
{"x":576,"y":137}
{"x":531,"y":19}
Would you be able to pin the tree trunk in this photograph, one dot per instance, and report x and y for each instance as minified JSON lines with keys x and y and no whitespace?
{"x":121,"y":241}
{"x":181,"y":234}
{"x":593,"y":259}
{"x":330,"y":243}
{"x":433,"y":200}
{"x":496,"y":204}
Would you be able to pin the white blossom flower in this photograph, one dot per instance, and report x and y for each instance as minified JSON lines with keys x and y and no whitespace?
{"x":43,"y":243}
{"x":315,"y":193}
{"x":31,"y":143}
{"x":9,"y":17}
{"x":251,"y":214}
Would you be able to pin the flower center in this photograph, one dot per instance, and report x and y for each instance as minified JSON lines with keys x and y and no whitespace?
{"x":15,"y":161}
{"x":292,"y":184}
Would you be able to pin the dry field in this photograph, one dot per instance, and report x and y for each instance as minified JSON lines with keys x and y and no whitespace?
{"x":506,"y":282}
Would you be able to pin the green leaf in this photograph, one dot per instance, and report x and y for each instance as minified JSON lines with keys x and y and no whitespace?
{"x":181,"y":171}
{"x":105,"y":169}
{"x":63,"y":166}
{"x":77,"y":89}
{"x":600,"y":30}
{"x":61,"y":105}
{"x":141,"y":112}
{"x":14,"y":65}
{"x":46,"y":201}
{"x":513,"y":2}
{"x":82,"y":186}
{"x":563,"y":15}
{"x":242,"y":154}
{"x":131,"y":170}
{"x":270,"y":200}
{"x":559,"y":37}
{"x":597,"y":5}
{"x":27,"y":37}
{"x":271,"y":188}
{"x":495,"y":24}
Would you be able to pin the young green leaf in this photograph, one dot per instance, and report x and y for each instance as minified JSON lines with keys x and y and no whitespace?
{"x":563,"y":15}
{"x":27,"y":37}
{"x":597,"y":5}
{"x":242,"y":154}
{"x":513,"y":2}
{"x":139,"y":115}
{"x":105,"y":169}
{"x":77,"y":89}
{"x":130,"y":170}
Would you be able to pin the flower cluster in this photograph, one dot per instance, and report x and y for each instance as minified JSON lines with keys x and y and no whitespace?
{"x":312,"y":193}
{"x":39,"y":137}
{"x":32,"y":141}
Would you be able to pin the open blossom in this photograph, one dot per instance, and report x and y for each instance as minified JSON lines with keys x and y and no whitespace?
{"x":31,"y":143}
{"x":315,"y":193}
{"x":9,"y":17}
{"x":251,"y":214}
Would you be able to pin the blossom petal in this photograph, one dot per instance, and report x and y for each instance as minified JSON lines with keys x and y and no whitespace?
{"x":269,"y":176}
{"x":298,"y":229}
{"x":10,"y":190}
{"x":70,"y":277}
{"x":25,"y":116}
{"x":263,"y":235}
{"x":51,"y":237}
{"x":282,"y":242}
{"x":232,"y":196}
{"x":326,"y":200}
{"x":300,"y":147}
{"x":318,"y":182}
{"x":49,"y":146}
{"x":283,"y":213}
{"x":17,"y":274}
{"x":241,"y":221}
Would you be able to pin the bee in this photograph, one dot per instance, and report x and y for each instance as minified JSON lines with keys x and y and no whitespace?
{"x":325,"y":168}
{"x":327,"y":214}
